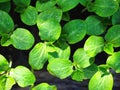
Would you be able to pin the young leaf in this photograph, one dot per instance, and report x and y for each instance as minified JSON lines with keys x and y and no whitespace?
{"x":5,"y":40}
{"x":67,"y":5}
{"x":74,"y":31}
{"x":108,"y":48}
{"x":94,"y":45}
{"x":81,"y":58}
{"x":114,"y":61}
{"x":77,"y":75}
{"x":66,"y":16}
{"x":6,"y":22}
{"x":4,"y":65}
{"x":116,"y":17}
{"x":90,"y":71}
{"x":22,"y":3}
{"x":44,"y":86}
{"x":42,"y":6}
{"x":84,"y":2}
{"x":1,"y":1}
{"x":38,"y":56}
{"x":60,"y":50}
{"x":52,"y":13}
{"x":60,"y":68}
{"x":113,"y":36}
{"x":49,"y":30}
{"x":6,"y":82}
{"x":101,"y":81}
{"x":105,"y":8}
{"x":23,"y":76}
{"x":9,"y":83}
{"x":29,"y":16}
{"x":6,"y":6}
{"x":22,"y":39}
{"x":95,"y":25}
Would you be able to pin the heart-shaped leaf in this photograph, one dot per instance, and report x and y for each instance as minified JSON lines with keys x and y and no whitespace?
{"x":23,"y":76}
{"x":94,"y":45}
{"x":114,"y":61}
{"x":38,"y":56}
{"x":101,"y":81}
{"x":29,"y":16}
{"x":113,"y":35}
{"x":6,"y":22}
{"x":60,"y":68}
{"x":22,"y":39}
{"x":49,"y":30}
{"x":74,"y":31}
{"x":95,"y":25}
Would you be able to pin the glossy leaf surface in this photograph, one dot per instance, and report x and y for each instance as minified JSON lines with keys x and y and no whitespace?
{"x":105,"y":8}
{"x":114,"y":61}
{"x":22,"y":39}
{"x":6,"y":22}
{"x":95,"y":25}
{"x":38,"y":56}
{"x":74,"y":31}
{"x":94,"y":45}
{"x":60,"y":68}
{"x":101,"y":81}
{"x":23,"y":76}
{"x":49,"y":30}
{"x":29,"y":16}
{"x":81,"y":59}
{"x":113,"y":36}
{"x":66,"y":5}
{"x":44,"y":5}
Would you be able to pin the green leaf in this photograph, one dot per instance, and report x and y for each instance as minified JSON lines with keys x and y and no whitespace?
{"x":44,"y":86}
{"x":101,"y":82}
{"x":38,"y":56}
{"x":81,"y":58}
{"x":22,"y":3}
{"x":108,"y":48}
{"x":113,"y":35}
{"x":4,"y":65}
{"x":60,"y":68}
{"x":52,"y":13}
{"x":74,"y":31}
{"x":90,"y":71}
{"x":6,"y":82}
{"x":94,"y":45}
{"x":60,"y":50}
{"x":67,"y":5}
{"x":105,"y":8}
{"x":2,"y":82}
{"x":84,"y":2}
{"x":29,"y":16}
{"x":42,"y":6}
{"x":6,"y":22}
{"x":22,"y":39}
{"x":77,"y":75}
{"x":2,"y":1}
{"x":114,"y":61}
{"x":23,"y":76}
{"x":116,"y":17}
{"x":95,"y":25}
{"x":5,"y":40}
{"x":19,"y":9}
{"x":49,"y":30}
{"x":9,"y":83}
{"x":5,"y":6}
